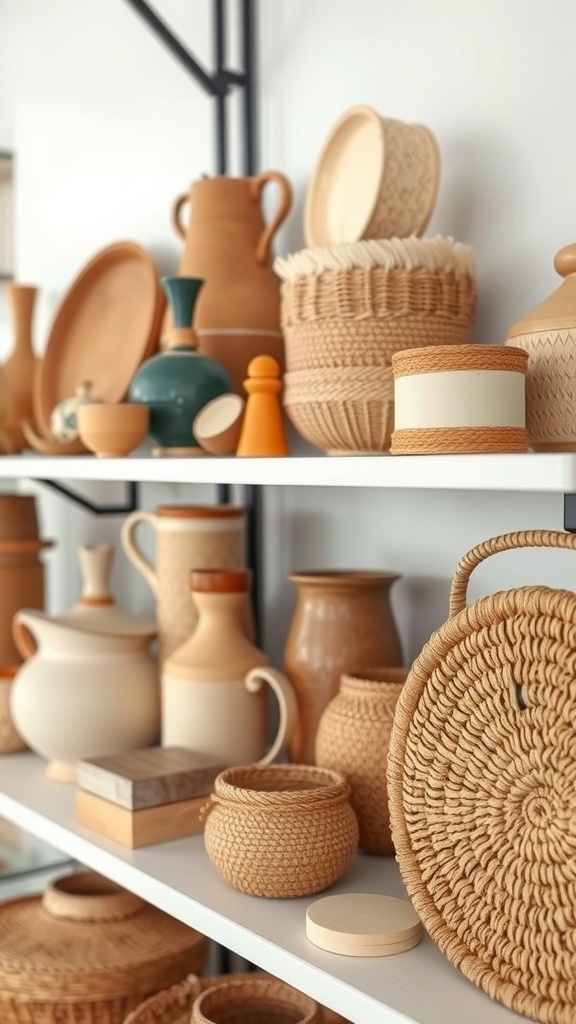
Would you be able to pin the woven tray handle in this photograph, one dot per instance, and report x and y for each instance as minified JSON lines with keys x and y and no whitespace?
{"x":504,"y":542}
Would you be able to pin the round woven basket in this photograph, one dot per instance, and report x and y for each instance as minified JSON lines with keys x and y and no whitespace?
{"x":342,"y":412}
{"x":281,"y":830}
{"x":254,"y":1001}
{"x":88,"y":952}
{"x":482,"y":787}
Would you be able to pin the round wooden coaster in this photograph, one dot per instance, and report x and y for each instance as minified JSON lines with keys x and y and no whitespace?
{"x":363,"y":924}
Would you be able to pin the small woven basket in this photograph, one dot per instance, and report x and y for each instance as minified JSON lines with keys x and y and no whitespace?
{"x":281,"y":830}
{"x":342,"y":412}
{"x":482,"y":787}
{"x":254,"y":1001}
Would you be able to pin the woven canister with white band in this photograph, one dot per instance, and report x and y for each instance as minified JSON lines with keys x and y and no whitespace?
{"x":451,"y":399}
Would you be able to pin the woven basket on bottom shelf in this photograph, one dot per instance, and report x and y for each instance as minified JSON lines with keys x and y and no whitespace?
{"x":482,"y":788}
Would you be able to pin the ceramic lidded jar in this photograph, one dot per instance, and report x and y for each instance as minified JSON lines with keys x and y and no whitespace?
{"x":186,"y":537}
{"x":87,"y":950}
{"x":227,"y":242}
{"x":342,"y":619}
{"x":548,"y":334}
{"x":179,"y":382}
{"x":212,"y":695}
{"x":353,"y":737}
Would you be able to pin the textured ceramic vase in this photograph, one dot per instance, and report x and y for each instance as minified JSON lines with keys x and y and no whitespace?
{"x":353,"y":737}
{"x":82,"y":694}
{"x":228,"y":243}
{"x":179,"y":382}
{"x":213,"y":699}
{"x":186,"y":537}
{"x":20,"y":367}
{"x":342,"y":621}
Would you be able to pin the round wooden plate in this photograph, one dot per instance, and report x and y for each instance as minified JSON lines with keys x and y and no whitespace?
{"x":106,"y":325}
{"x":363,"y":924}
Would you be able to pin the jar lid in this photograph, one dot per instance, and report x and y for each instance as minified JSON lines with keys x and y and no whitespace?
{"x":558,"y":311}
{"x":363,"y":924}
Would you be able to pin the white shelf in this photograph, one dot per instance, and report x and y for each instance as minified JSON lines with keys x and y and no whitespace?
{"x":530,"y":472}
{"x":418,"y":987}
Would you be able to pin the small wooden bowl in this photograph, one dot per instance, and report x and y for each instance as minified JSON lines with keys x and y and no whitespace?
{"x":217,"y":426}
{"x":111,"y":430}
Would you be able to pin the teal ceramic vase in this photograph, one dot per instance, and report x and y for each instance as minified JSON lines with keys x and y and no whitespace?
{"x":179,"y":382}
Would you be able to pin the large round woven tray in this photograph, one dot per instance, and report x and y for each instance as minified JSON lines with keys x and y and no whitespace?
{"x":482,"y":788}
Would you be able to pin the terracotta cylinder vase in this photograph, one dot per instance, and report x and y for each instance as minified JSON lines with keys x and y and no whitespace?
{"x":228,"y":243}
{"x":21,"y":567}
{"x":342,"y":620}
{"x":20,"y":368}
{"x":353,"y":737}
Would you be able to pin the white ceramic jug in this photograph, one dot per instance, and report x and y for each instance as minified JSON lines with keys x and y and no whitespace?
{"x":82,"y":694}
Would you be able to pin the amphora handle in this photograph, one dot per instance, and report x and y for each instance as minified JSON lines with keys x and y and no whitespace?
{"x":257,"y":187}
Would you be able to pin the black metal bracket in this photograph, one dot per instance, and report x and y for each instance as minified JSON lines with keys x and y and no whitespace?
{"x":130,"y":505}
{"x":570,"y":513}
{"x":222,"y":80}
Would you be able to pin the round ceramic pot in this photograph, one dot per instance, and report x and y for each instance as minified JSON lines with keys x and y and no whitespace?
{"x":353,"y":738}
{"x":254,"y":1001}
{"x":281,"y":830}
{"x":82,"y":694}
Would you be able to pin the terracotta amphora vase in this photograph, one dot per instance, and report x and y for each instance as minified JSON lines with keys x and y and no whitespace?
{"x":20,"y":368}
{"x":342,"y":621}
{"x":228,"y":243}
{"x":213,"y":698}
{"x":21,"y":567}
{"x":353,"y":737}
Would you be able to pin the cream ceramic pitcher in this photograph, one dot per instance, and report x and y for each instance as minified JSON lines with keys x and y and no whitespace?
{"x":213,"y":699}
{"x":187,"y":537}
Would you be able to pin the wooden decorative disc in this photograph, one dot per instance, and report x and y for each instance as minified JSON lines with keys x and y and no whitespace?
{"x":363,"y":924}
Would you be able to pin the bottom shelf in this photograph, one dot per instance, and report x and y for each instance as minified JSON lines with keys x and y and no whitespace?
{"x":418,"y":987}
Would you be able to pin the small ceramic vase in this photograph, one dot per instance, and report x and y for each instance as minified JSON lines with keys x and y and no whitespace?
{"x":342,"y":620}
{"x":21,"y":365}
{"x":212,"y":695}
{"x":64,"y":418}
{"x":254,"y":1001}
{"x":186,"y":537}
{"x":179,"y":382}
{"x":96,"y":611}
{"x":353,"y":737}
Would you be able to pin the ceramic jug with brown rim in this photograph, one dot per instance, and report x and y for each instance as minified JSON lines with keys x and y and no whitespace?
{"x":229,"y":245}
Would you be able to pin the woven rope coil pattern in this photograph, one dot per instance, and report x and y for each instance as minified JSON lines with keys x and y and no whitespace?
{"x":482,"y":789}
{"x":550,"y":386}
{"x":350,"y":410}
{"x":254,"y":1001}
{"x":360,"y":317}
{"x":458,"y":440}
{"x":353,"y":738}
{"x":281,"y":830}
{"x":439,"y":358}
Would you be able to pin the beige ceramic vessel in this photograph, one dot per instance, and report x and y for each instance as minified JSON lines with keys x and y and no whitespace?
{"x":111,"y":430}
{"x":342,"y":621}
{"x":375,"y":177}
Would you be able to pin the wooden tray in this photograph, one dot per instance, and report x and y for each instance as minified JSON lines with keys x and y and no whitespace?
{"x":107,"y":324}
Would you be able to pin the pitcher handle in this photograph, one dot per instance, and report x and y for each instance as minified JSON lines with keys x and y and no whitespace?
{"x":176,"y":211}
{"x":258,"y":183}
{"x":132,"y":551}
{"x":286,"y":698}
{"x":22,"y":635}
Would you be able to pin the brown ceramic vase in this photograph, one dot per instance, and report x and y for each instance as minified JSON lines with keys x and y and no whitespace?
{"x":353,"y":737}
{"x":229,"y":245}
{"x":342,"y":621}
{"x":20,"y":367}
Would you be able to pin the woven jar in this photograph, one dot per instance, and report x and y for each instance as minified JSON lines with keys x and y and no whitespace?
{"x":254,"y":1001}
{"x":353,"y":738}
{"x":281,"y":830}
{"x":548,"y":334}
{"x":88,"y":951}
{"x":454,"y":399}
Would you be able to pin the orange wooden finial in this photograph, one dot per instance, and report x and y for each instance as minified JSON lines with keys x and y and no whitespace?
{"x":263,"y":432}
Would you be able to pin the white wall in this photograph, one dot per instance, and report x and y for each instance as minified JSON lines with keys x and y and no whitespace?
{"x":107,"y":129}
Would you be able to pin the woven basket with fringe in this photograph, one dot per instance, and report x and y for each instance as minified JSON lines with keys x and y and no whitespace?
{"x":353,"y":738}
{"x":482,"y":787}
{"x":174,"y":1005}
{"x":342,"y":412}
{"x":281,"y":830}
{"x":88,"y":952}
{"x":354,"y":305}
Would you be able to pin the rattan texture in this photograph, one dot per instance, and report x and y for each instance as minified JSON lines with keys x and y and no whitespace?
{"x":281,"y":830}
{"x":550,"y":387}
{"x":359,"y":317}
{"x":254,"y":1001}
{"x":342,"y":411}
{"x":353,"y":738}
{"x":482,"y":788}
{"x":458,"y":440}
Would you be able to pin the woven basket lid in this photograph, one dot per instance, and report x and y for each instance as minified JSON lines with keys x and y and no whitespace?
{"x":363,"y":924}
{"x":558,"y":311}
{"x":482,"y":788}
{"x":87,"y":938}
